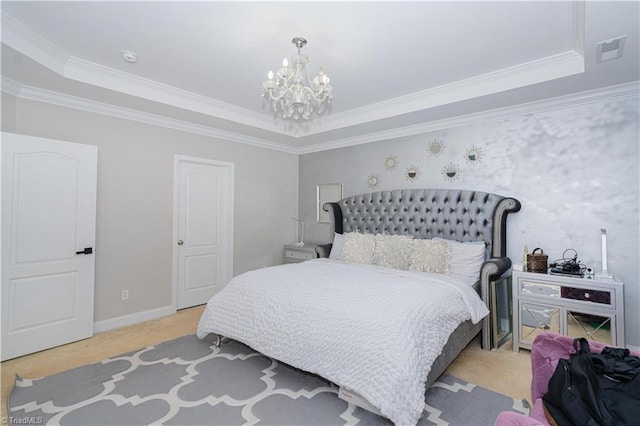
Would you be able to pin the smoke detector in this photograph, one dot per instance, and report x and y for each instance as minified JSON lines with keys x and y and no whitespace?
{"x":610,"y":49}
{"x":129,"y":56}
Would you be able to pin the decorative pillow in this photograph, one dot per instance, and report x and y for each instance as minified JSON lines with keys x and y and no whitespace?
{"x":429,"y":256}
{"x":336,"y":248}
{"x":466,"y":258}
{"x":393,"y":251}
{"x":358,"y":248}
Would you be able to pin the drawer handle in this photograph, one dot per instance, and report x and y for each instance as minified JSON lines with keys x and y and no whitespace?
{"x":587,"y":295}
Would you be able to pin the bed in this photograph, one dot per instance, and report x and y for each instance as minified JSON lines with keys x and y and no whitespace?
{"x":380,"y":331}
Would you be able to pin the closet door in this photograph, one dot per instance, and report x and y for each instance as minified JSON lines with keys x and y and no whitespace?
{"x":48,"y":236}
{"x":203,"y":227}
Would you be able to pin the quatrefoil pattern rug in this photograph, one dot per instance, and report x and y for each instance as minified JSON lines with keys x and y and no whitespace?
{"x":188,"y":381}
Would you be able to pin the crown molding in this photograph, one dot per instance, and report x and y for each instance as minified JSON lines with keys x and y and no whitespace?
{"x":627,"y":90}
{"x":11,"y":87}
{"x":622,"y":91}
{"x":31,"y":44}
{"x":562,"y":65}
{"x":112,"y":79}
{"x":74,"y":102}
{"x":557,"y":66}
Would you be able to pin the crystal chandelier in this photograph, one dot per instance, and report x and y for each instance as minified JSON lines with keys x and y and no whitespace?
{"x":292,"y":92}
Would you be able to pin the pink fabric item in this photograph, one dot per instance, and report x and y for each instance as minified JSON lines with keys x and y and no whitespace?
{"x":537,"y":412}
{"x":546,"y":350}
{"x":511,"y":418}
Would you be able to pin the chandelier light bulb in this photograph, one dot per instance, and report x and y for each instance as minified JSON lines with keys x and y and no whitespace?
{"x":270,"y":75}
{"x":285,"y":62}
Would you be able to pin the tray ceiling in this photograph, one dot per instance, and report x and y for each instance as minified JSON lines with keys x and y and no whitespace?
{"x":394,"y":66}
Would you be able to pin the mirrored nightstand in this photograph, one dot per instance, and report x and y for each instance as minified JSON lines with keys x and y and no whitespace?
{"x":576,"y":307}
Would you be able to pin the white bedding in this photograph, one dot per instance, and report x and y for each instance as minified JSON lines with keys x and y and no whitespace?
{"x":373,"y":330}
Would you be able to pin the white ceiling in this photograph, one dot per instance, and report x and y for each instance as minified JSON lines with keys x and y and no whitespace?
{"x":394,"y":66}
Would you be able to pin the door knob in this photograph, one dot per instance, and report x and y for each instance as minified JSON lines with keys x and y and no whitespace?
{"x":180,"y":242}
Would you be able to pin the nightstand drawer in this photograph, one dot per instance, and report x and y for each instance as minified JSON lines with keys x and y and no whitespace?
{"x":298,"y":255}
{"x":539,"y":288}
{"x":586,"y":295}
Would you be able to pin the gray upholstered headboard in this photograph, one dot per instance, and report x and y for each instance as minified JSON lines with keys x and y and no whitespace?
{"x":460,"y":215}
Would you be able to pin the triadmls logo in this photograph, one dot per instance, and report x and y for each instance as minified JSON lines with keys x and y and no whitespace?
{"x":26,"y":420}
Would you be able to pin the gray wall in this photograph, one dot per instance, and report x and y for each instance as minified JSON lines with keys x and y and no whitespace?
{"x":8,"y":107}
{"x":575,"y":170}
{"x":134,"y":244}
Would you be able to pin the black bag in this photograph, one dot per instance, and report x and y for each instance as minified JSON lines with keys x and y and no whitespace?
{"x":595,"y":389}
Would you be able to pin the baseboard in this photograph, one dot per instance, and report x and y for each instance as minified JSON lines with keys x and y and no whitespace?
{"x":131,"y":319}
{"x":633,"y":348}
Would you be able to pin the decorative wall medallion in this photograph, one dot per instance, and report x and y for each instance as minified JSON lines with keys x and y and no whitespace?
{"x":473,"y":155}
{"x":390,"y":163}
{"x":451,"y":172}
{"x":373,"y":181}
{"x":435,"y":148}
{"x":412,"y":173}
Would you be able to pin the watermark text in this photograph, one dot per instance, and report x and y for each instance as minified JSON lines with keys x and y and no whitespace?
{"x":25,"y":420}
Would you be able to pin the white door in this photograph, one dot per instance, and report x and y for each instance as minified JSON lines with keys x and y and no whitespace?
{"x":203,"y":214}
{"x":48,"y":235}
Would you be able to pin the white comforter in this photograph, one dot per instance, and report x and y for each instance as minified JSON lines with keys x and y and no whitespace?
{"x":373,"y":330}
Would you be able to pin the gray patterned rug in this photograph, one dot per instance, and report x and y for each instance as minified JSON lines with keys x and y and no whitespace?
{"x":187,"y":381}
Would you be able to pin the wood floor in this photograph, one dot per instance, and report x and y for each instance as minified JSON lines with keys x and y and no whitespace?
{"x":502,"y":371}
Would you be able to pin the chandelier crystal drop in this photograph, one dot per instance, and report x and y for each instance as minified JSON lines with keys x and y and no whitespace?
{"x":292,"y":92}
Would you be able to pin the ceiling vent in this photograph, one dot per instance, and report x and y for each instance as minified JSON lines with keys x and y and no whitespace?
{"x":610,"y":49}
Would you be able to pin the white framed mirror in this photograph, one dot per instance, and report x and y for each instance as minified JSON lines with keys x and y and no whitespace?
{"x":327,"y":193}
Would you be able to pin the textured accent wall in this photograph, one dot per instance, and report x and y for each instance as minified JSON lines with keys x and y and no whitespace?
{"x":575,"y":170}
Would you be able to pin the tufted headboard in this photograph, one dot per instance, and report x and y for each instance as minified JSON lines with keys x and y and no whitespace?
{"x":460,"y":215}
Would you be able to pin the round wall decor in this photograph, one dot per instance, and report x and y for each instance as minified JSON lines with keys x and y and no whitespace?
{"x":435,"y":148}
{"x":412,"y":173}
{"x":373,"y":181}
{"x":451,"y":172}
{"x":390,"y":163}
{"x":473,"y":155}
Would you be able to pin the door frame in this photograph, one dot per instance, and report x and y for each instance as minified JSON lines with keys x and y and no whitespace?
{"x":178,"y":159}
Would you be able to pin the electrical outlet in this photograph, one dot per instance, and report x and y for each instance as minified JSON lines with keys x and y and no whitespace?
{"x":125,"y":294}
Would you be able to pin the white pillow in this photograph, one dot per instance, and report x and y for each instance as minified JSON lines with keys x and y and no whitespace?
{"x":336,"y":248}
{"x":393,"y":251}
{"x":429,"y":256}
{"x":358,"y":248}
{"x":466,"y":258}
